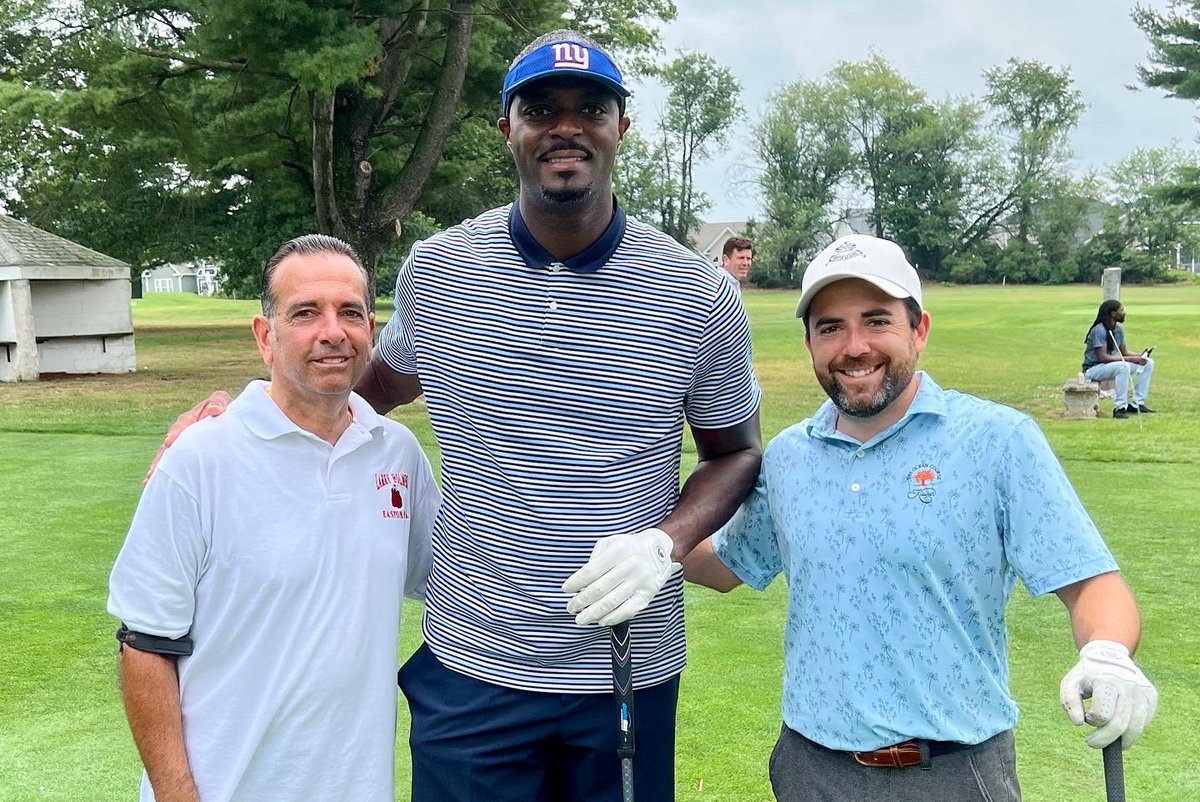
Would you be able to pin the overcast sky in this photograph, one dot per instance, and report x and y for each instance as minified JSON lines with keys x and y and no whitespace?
{"x":942,"y":46}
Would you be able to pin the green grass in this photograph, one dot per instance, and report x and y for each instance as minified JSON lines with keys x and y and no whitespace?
{"x":73,"y":451}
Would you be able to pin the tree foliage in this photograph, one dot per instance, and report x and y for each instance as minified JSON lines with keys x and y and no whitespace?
{"x":1038,"y":107}
{"x":220,"y":127}
{"x":802,"y":145}
{"x":656,"y":171}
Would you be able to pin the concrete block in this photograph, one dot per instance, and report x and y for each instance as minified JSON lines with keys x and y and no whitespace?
{"x":1080,"y":397}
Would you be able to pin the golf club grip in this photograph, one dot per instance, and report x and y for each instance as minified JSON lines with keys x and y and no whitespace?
{"x":1114,"y":773}
{"x":622,"y":665}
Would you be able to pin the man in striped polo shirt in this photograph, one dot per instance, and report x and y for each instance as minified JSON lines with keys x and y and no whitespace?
{"x":560,"y":346}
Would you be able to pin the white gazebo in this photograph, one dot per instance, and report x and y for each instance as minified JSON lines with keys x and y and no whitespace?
{"x":63,"y":308}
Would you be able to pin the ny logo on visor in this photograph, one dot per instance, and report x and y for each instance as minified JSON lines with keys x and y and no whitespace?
{"x":570,"y":55}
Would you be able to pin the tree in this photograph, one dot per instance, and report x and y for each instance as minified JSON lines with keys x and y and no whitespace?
{"x":879,"y":104}
{"x":1038,"y":107}
{"x":802,"y":146}
{"x":1175,"y":48}
{"x":1153,"y":223}
{"x":335,"y":118}
{"x":945,"y":184}
{"x":640,"y":179}
{"x":655,"y":172}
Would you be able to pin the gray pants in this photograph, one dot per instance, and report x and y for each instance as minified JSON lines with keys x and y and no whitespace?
{"x":802,"y":771}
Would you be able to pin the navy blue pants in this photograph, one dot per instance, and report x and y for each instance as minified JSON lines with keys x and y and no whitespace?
{"x":474,"y":741}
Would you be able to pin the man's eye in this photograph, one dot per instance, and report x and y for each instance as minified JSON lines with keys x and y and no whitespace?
{"x":595,"y":110}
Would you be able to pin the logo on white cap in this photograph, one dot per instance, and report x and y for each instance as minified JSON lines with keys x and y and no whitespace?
{"x":571,"y":56}
{"x":847,"y":250}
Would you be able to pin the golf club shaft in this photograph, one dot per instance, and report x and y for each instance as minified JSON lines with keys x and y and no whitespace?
{"x":1114,"y":772}
{"x":622,"y":664}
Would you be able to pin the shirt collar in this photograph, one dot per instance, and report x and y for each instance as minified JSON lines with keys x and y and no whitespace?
{"x":591,"y":259}
{"x":266,"y":420}
{"x":929,"y":400}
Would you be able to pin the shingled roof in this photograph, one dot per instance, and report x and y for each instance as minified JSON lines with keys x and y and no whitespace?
{"x":22,"y":245}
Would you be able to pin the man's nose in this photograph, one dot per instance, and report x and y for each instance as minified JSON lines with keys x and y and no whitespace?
{"x":856,"y":342}
{"x":568,"y":123}
{"x":331,"y":327}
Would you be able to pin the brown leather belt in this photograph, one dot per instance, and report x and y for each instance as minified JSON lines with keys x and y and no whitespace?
{"x":907,"y":754}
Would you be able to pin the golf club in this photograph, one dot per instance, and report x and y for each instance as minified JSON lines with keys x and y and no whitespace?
{"x":622,"y":665}
{"x":1114,"y":773}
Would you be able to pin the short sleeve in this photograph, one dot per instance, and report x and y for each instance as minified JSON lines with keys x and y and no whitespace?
{"x":748,"y":545}
{"x":1049,"y":538}
{"x":1097,"y":338}
{"x":420,"y":531}
{"x":396,"y":344}
{"x":723,"y":390}
{"x":152,"y":588}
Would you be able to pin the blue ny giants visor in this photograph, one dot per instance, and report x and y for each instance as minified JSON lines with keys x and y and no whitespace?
{"x":562,"y":58}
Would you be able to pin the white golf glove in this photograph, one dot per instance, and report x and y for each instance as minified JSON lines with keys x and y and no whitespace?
{"x":1123,"y":700}
{"x":621,"y":577}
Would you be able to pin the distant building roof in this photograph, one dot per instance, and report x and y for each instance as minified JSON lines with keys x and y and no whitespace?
{"x":707,"y":235}
{"x":22,"y":245}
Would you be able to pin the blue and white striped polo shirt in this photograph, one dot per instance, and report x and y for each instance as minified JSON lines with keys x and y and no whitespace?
{"x":558,"y":393}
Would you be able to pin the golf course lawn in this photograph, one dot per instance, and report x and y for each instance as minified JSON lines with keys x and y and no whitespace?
{"x":73,"y":452}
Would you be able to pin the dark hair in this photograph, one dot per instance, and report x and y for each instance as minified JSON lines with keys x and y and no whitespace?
{"x":736,"y":244}
{"x":307,"y":245}
{"x":910,"y":306}
{"x":1103,"y":315}
{"x":566,"y":35}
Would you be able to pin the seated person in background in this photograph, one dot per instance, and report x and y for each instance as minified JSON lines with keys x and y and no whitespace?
{"x":1106,"y":358}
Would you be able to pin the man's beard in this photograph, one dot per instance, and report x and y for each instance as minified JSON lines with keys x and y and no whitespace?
{"x":566,"y":197}
{"x":896,"y":378}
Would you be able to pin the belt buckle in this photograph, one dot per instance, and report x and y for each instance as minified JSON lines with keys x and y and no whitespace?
{"x":895,"y":756}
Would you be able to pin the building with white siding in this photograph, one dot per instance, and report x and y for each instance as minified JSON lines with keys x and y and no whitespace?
{"x":63,"y":308}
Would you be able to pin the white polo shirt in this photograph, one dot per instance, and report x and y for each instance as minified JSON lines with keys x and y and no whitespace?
{"x":285,"y":558}
{"x":558,"y":392}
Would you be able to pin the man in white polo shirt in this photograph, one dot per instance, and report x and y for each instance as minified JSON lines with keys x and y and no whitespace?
{"x":261,"y":583}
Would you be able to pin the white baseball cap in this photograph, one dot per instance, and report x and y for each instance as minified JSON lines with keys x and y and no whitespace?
{"x":872,"y":259}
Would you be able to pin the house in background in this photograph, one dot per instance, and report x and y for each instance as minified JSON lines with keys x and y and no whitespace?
{"x":63,"y":308}
{"x":197,"y":278}
{"x":710,"y":238}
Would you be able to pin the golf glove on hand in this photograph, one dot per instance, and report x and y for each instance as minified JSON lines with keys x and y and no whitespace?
{"x":621,"y":577}
{"x":1123,"y":700}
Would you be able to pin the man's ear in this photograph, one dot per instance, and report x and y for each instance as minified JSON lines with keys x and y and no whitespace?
{"x":262,"y":337}
{"x":922,"y":332}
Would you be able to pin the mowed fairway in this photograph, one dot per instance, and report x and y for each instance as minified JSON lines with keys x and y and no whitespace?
{"x":73,"y":453}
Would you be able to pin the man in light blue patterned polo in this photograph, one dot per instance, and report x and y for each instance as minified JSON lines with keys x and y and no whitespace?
{"x":901,"y":515}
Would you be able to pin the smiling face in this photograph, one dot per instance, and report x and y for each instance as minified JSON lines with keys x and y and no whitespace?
{"x":564,"y":134}
{"x":318,"y":340}
{"x":864,"y":350}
